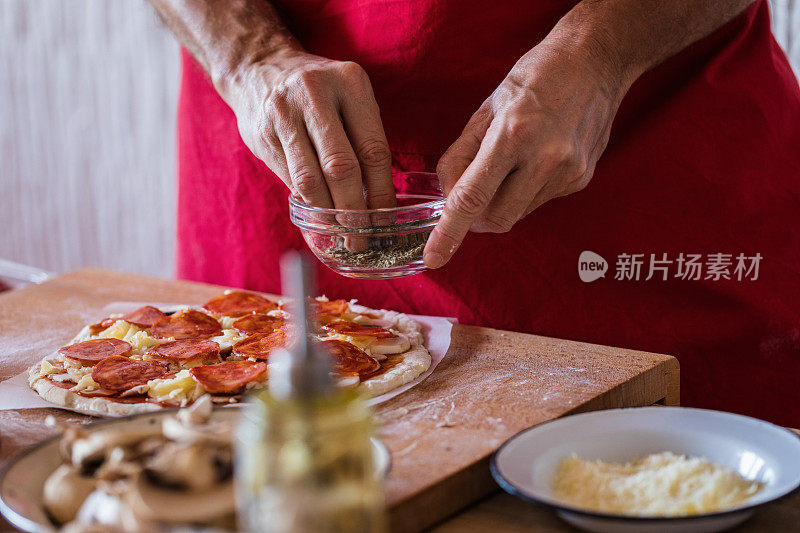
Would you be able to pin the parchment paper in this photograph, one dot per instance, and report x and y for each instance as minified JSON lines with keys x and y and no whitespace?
{"x":16,"y":394}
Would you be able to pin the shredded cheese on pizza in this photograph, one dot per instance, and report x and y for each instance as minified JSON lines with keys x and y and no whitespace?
{"x":228,"y":338}
{"x":226,"y":321}
{"x":85,"y":384}
{"x":80,"y":375}
{"x":179,"y":389}
{"x":139,"y":339}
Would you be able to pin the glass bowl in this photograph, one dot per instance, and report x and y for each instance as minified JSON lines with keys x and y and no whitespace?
{"x":375,"y":243}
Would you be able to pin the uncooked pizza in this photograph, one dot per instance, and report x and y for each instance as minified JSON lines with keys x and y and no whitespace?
{"x":155,"y":358}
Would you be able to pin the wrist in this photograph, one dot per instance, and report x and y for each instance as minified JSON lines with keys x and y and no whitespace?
{"x":255,"y":70}
{"x":555,"y":66}
{"x":594,"y":47}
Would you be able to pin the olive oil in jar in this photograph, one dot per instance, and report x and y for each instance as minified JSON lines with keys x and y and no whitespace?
{"x":308,"y":466}
{"x":304,"y":456}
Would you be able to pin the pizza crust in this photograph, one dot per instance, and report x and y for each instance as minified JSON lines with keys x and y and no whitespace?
{"x":415,"y":362}
{"x":72,"y":400}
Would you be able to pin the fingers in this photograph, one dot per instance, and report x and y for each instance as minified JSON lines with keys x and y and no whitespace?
{"x":324,"y":137}
{"x":550,"y":192}
{"x":337,"y":159}
{"x":270,"y":151}
{"x":291,"y":154}
{"x":529,"y":187}
{"x":510,"y":202}
{"x":463,"y":151}
{"x":362,"y":122}
{"x":303,"y":167}
{"x":467,"y":200}
{"x":276,"y":162}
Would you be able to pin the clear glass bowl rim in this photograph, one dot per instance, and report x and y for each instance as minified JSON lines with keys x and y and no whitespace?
{"x":433,"y":204}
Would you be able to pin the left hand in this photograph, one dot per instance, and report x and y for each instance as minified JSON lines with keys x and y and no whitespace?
{"x":537,"y":137}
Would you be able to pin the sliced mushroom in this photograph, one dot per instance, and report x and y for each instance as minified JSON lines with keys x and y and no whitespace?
{"x":106,"y":510}
{"x":347,"y":381}
{"x":392,"y":345}
{"x":70,"y":433}
{"x":146,"y":476}
{"x":120,"y":464}
{"x":80,"y":527}
{"x":96,"y":446}
{"x":192,"y":467}
{"x":199,"y":412}
{"x":150,"y":502}
{"x":369,"y":321}
{"x":218,"y":434}
{"x":65,"y":491}
{"x":191,"y":425}
{"x":149,"y":446}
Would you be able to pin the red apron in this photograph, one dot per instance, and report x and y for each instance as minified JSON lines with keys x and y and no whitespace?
{"x":704,"y":158}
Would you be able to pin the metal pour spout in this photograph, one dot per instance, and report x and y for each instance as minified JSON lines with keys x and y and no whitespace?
{"x":301,"y":370}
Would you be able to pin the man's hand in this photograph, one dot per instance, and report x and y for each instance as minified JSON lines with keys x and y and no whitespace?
{"x":540,"y":134}
{"x":315,"y":123}
{"x":537,"y":137}
{"x":312,"y":120}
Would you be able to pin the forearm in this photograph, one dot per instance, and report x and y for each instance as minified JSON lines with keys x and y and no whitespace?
{"x":227,"y":36}
{"x":625,"y":38}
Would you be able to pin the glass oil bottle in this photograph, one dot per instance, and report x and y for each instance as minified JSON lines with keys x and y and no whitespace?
{"x":304,"y":458}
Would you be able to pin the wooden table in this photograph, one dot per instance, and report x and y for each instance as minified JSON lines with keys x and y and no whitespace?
{"x":441,"y":433}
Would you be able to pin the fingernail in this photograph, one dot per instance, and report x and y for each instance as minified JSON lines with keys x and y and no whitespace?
{"x":433,"y":259}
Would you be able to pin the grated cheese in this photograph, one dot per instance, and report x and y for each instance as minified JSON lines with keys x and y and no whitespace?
{"x":228,"y":338}
{"x":661,"y":484}
{"x":226,"y":321}
{"x":85,"y":384}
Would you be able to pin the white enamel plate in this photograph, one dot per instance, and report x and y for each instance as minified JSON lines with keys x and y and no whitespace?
{"x":524,"y":466}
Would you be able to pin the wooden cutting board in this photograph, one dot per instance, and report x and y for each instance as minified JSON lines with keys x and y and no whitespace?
{"x":491,"y":385}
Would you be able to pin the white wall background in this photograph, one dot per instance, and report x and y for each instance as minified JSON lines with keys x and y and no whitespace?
{"x":786,"y":27}
{"x":88,"y":93}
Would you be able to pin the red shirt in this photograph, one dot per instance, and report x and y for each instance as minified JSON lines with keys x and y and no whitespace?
{"x":704,"y":158}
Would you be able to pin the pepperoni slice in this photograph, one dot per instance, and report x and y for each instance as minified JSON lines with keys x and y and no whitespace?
{"x":189,"y":324}
{"x":332,"y":307}
{"x":320,"y":308}
{"x":348,"y":359}
{"x":103,"y":324}
{"x":229,"y":376}
{"x":329,"y":311}
{"x":239,"y":304}
{"x":95,"y":350}
{"x":324,"y":318}
{"x":344,"y":327}
{"x":187,"y":350}
{"x":144,"y":317}
{"x":118,"y":373}
{"x":259,"y":323}
{"x":260,"y":345}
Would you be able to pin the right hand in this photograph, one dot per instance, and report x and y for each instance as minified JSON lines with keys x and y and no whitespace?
{"x":316,"y":124}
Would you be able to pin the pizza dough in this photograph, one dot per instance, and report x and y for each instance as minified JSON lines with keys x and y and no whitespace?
{"x":155,"y":358}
